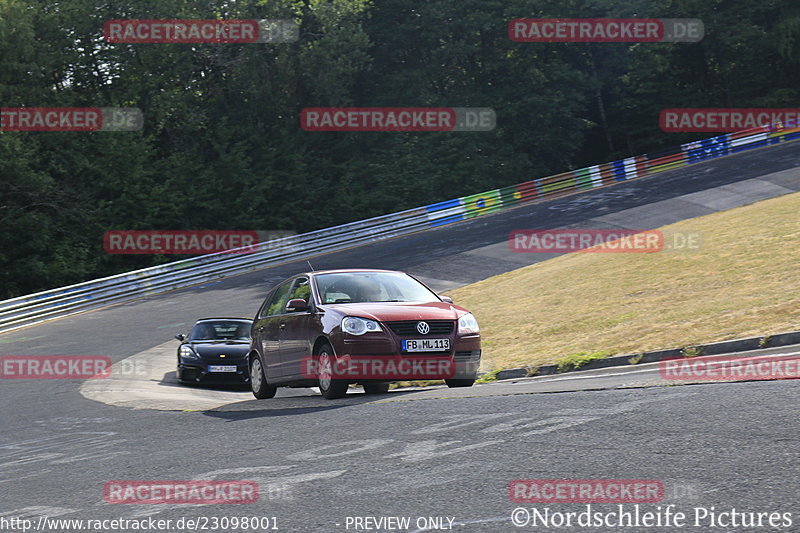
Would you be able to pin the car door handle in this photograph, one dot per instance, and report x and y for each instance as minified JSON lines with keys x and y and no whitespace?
{"x":283,"y":326}
{"x":260,"y":328}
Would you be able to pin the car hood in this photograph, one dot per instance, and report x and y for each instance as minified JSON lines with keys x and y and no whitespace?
{"x":390,"y":311}
{"x":210,"y":349}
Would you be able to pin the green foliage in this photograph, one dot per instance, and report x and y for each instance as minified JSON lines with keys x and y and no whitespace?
{"x":636,"y":359}
{"x":765,"y":341}
{"x":692,"y":351}
{"x":488,"y":377}
{"x":577,"y":360}
{"x":222,"y":147}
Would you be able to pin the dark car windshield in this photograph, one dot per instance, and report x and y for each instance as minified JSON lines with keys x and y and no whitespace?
{"x":223,"y":330}
{"x":358,"y":287}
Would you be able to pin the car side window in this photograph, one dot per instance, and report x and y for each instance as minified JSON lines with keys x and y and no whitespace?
{"x":301,"y":289}
{"x":262,"y":311}
{"x":277,"y":302}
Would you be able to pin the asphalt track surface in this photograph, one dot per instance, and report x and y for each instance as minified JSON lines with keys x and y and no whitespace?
{"x":438,"y":453}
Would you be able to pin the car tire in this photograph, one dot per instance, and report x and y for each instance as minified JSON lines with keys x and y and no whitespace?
{"x":452,"y":383}
{"x":329,"y":387}
{"x":375,"y":388}
{"x":178,"y":375}
{"x":258,"y":381}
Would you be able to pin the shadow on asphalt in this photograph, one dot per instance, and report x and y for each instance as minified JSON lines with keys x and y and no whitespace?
{"x":292,"y":405}
{"x":235,"y":416}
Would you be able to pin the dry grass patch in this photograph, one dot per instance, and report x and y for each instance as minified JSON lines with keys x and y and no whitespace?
{"x":743,"y":281}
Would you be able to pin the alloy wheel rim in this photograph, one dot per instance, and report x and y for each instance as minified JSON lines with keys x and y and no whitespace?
{"x":325,"y":372}
{"x":255,"y":377}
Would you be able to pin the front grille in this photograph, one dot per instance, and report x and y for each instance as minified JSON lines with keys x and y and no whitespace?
{"x":409,"y":327}
{"x":230,"y":361}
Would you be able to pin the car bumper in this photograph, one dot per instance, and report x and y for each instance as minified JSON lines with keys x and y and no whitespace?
{"x":200,"y":373}
{"x":461,"y":361}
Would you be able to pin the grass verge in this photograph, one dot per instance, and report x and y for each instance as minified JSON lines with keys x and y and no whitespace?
{"x":742,"y":281}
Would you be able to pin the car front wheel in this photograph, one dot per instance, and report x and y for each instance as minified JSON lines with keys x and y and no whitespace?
{"x":329,"y":387}
{"x":258,"y":381}
{"x":375,"y":388}
{"x":459,"y":382}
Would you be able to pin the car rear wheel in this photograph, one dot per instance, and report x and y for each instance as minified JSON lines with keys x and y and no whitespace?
{"x":258,"y":381}
{"x":375,"y":388}
{"x":329,"y":387}
{"x":459,"y":382}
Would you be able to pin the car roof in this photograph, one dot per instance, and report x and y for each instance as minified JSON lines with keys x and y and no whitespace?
{"x":353,"y":270}
{"x":224,"y":318}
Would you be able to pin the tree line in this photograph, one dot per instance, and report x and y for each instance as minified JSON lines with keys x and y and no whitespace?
{"x":222,"y":147}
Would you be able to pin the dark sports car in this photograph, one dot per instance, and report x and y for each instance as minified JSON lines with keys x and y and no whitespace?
{"x":215,"y":351}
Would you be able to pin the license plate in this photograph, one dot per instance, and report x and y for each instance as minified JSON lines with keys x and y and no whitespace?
{"x":221,"y":368}
{"x":426,"y":345}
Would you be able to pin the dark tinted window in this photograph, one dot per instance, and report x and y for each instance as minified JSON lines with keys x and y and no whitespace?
{"x":301,"y":289}
{"x":222,"y":330}
{"x":277,"y":303}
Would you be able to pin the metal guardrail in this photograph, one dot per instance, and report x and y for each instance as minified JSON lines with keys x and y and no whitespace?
{"x":65,"y":301}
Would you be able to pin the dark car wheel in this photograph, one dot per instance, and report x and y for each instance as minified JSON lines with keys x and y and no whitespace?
{"x":459,"y":382}
{"x":375,"y":388}
{"x":179,"y":375}
{"x":258,"y":381}
{"x":329,"y":387}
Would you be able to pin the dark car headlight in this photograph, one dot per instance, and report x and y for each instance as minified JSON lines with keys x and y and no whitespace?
{"x":187,"y":353}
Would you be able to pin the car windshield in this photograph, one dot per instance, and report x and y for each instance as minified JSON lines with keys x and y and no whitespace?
{"x":360,"y":287}
{"x":223,"y":330}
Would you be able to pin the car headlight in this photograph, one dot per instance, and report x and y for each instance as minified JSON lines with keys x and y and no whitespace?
{"x":468,"y":324}
{"x":358,"y":326}
{"x":188,"y":353}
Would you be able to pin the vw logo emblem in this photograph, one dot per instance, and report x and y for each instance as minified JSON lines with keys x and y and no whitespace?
{"x":423,"y":328}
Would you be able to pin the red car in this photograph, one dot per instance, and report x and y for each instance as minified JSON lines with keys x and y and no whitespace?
{"x":370,"y":327}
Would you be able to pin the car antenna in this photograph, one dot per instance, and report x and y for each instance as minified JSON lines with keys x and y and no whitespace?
{"x":309,"y":264}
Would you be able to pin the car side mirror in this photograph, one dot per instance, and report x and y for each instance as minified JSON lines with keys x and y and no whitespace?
{"x":298,"y":304}
{"x":181,"y":337}
{"x":446,"y":299}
